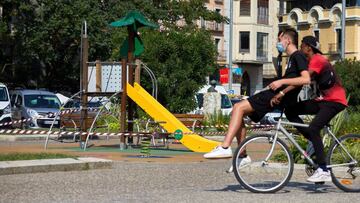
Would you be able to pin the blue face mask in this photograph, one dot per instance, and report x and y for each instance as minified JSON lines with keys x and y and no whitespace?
{"x":280,"y":47}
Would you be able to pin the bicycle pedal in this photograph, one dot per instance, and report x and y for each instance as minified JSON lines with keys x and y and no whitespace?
{"x":320,"y":183}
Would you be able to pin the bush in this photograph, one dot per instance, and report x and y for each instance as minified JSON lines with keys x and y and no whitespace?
{"x":349,"y":72}
{"x":219,"y":120}
{"x":351,"y":124}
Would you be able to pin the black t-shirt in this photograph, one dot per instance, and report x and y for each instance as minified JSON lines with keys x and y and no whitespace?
{"x":296,"y":64}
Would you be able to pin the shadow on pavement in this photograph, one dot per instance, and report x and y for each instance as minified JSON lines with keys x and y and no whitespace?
{"x":311,"y":188}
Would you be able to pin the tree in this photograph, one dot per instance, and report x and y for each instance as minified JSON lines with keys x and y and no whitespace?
{"x":45,"y":40}
{"x":180,"y":61}
{"x":349,"y":72}
{"x":41,"y":39}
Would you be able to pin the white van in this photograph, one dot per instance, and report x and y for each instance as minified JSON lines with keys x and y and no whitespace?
{"x":5,"y":107}
{"x":226,"y":106}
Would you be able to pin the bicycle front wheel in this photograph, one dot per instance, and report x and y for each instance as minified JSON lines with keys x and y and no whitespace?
{"x":345,"y":169}
{"x":260,"y":176}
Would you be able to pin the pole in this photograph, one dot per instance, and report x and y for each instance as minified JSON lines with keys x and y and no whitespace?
{"x":343,"y":17}
{"x":123,"y":102}
{"x":130,"y":58}
{"x":230,"y":44}
{"x":84,"y":85}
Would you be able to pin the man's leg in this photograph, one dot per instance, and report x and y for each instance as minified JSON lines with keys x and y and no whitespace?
{"x":308,"y":107}
{"x":236,"y":128}
{"x":237,"y":125}
{"x":327,"y":111}
{"x":241,"y":135}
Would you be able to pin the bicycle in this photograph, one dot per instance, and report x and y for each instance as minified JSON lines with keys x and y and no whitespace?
{"x":272,"y":163}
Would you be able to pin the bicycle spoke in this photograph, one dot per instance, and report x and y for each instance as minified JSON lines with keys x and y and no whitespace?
{"x":345,"y":175}
{"x":259,"y":175}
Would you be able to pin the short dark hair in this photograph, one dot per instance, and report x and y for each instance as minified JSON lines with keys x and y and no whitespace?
{"x":292,"y":33}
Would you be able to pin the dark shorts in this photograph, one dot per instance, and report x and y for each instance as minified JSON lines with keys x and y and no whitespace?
{"x":260,"y":102}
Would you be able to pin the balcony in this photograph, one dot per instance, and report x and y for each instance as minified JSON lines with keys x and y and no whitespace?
{"x":221,"y":55}
{"x":214,"y":26}
{"x":334,"y":48}
{"x":219,"y":1}
{"x":262,"y":55}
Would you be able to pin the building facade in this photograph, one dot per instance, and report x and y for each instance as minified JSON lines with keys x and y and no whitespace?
{"x":322,"y":19}
{"x":217,"y":29}
{"x":255,"y":28}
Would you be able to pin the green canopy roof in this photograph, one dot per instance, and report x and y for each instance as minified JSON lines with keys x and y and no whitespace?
{"x":134,"y":18}
{"x":138,"y":50}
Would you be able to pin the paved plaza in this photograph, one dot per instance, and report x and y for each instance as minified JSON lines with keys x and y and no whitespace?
{"x":173,"y":176}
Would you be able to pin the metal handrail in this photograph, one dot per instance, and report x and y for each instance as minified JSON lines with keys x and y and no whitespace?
{"x":153,"y":80}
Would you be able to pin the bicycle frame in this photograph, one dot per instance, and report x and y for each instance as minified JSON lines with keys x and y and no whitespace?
{"x":279,"y":127}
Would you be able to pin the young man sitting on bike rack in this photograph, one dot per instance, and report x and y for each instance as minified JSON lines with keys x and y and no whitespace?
{"x":258,"y":105}
{"x":331,"y":101}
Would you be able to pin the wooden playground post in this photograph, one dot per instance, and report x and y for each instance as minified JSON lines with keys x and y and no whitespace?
{"x":137,"y":71}
{"x":98,"y":76}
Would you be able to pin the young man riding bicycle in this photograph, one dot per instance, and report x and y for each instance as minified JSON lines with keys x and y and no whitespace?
{"x":259,"y":104}
{"x":330,"y":102}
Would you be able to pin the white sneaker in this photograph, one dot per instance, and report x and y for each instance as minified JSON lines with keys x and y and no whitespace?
{"x":320,"y":176}
{"x":243,"y":162}
{"x":219,"y":152}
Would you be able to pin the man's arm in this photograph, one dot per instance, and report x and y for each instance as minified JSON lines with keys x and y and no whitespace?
{"x":303,"y":79}
{"x":278,"y":97}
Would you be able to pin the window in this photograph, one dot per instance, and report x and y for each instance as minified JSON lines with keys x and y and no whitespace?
{"x":217,"y":41}
{"x":263,"y":12}
{"x":317,"y":35}
{"x":202,"y":22}
{"x":18,"y":100}
{"x":3,"y":94}
{"x":244,"y":45}
{"x":13,"y":97}
{"x":338,"y":40}
{"x":42,"y":101}
{"x":262,"y":46}
{"x":217,"y":25}
{"x":245,"y":7}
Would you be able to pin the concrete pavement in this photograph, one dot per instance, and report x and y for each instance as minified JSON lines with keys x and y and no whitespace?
{"x":157,"y":182}
{"x":50,"y":165}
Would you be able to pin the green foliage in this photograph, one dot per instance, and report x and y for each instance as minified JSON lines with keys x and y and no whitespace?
{"x":217,"y":119}
{"x":180,"y":60}
{"x":45,"y":43}
{"x":351,"y":124}
{"x":349,"y":72}
{"x":352,"y":146}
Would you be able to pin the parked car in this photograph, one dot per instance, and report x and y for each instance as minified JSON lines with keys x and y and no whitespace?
{"x":226,"y":106}
{"x":272,"y":117}
{"x":5,"y":107}
{"x":36,"y":104}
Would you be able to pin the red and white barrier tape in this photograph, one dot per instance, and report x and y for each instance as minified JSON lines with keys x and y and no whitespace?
{"x":68,"y":111}
{"x":227,"y":126}
{"x":43,"y":132}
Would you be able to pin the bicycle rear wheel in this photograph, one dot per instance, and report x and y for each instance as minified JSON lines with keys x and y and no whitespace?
{"x":258,"y":176}
{"x":347,"y":176}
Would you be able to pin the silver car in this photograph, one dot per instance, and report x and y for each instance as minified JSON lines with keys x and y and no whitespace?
{"x":38,"y":106}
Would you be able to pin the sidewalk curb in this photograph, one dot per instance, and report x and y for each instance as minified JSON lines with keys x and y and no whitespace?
{"x":51,"y":165}
{"x":41,"y":137}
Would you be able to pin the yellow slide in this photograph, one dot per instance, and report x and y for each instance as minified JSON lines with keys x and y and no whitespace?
{"x":152,"y":107}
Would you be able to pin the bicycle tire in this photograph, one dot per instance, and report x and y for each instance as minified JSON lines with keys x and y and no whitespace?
{"x":256,"y":146}
{"x":346,"y":178}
